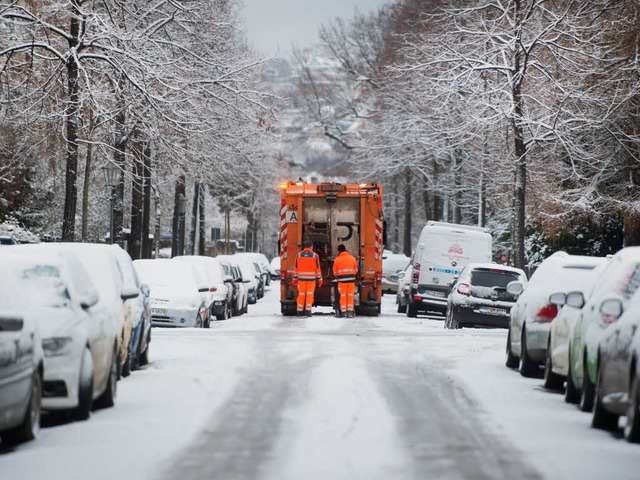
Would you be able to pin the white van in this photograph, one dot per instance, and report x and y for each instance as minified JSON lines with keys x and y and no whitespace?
{"x":443,"y":250}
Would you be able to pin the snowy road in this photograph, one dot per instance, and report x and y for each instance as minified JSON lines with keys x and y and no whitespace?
{"x":267,"y":397}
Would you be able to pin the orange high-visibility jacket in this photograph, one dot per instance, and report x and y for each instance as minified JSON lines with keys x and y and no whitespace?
{"x":307,"y":266}
{"x":345,"y":267}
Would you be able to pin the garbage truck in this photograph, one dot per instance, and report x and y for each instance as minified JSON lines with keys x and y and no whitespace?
{"x":330,"y":214}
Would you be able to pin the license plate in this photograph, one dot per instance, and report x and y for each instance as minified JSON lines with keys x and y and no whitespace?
{"x":493,"y":310}
{"x":160,"y":312}
{"x":435,"y":293}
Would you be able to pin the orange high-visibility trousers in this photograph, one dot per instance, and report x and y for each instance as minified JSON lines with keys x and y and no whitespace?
{"x":346,"y":290}
{"x":306,"y":289}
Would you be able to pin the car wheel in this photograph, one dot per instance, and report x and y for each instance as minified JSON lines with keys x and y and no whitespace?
{"x":632,"y":428}
{"x":588,"y":389}
{"x":571,"y":392}
{"x":552,"y":381}
{"x":30,"y":426}
{"x":602,"y":418}
{"x":402,"y":308}
{"x":126,"y":364}
{"x":108,"y":397}
{"x":412,"y":310}
{"x":144,"y":355}
{"x":85,"y":388}
{"x":450,"y":320}
{"x":528,"y":368}
{"x":511,"y":361}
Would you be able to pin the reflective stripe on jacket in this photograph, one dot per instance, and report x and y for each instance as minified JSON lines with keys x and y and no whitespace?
{"x":307,"y":266}
{"x":345,"y":267}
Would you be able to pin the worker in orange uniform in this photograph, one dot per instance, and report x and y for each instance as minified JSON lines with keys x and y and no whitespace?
{"x":345,"y":268}
{"x":306,"y":272}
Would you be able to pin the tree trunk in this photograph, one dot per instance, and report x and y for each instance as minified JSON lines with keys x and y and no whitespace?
{"x":137,"y":170}
{"x":191,"y":243}
{"x":203,"y":224}
{"x":406,"y":247}
{"x":119,"y":158}
{"x":456,"y":201}
{"x":71,"y":119}
{"x":87,"y":180}
{"x":146,"y":202}
{"x":631,"y":229}
{"x":177,"y":241}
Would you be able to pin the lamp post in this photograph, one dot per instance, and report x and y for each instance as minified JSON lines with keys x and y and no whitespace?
{"x":111,"y":179}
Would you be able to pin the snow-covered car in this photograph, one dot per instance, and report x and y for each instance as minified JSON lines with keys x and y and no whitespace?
{"x":250,"y":277}
{"x":532,"y":314}
{"x":403,"y":289}
{"x":79,"y":333}
{"x":175,"y":297}
{"x":21,"y":359}
{"x":274,"y":268}
{"x":233,"y":280}
{"x":479,"y":296}
{"x":201,"y":274}
{"x":392,"y":265}
{"x":221,"y":293}
{"x":116,"y":295}
{"x":617,"y":389}
{"x":619,"y":281}
{"x":263,"y":263}
{"x":140,"y":312}
{"x":557,"y":359}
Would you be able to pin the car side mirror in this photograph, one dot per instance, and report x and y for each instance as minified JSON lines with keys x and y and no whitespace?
{"x":144,"y":288}
{"x":575,"y":299}
{"x":558,"y":298}
{"x":612,"y":308}
{"x":515,"y":288}
{"x":89,"y":299}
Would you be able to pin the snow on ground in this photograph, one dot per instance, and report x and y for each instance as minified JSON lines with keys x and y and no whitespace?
{"x":160,"y":409}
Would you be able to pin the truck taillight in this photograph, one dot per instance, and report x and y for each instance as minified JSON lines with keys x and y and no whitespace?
{"x":283,"y":275}
{"x":416,"y":273}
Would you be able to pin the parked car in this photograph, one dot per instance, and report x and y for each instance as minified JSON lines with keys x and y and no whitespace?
{"x":557,"y":358}
{"x":80,"y":337}
{"x":22,"y":358}
{"x":274,"y":268}
{"x":403,"y":290}
{"x":617,"y":390}
{"x":233,"y":280}
{"x":619,"y":280}
{"x":392,"y":265}
{"x":532,"y":314}
{"x":204,"y":284}
{"x":479,"y":296}
{"x":175,"y":296}
{"x":140,"y":312}
{"x":260,"y":265}
{"x":221,"y":293}
{"x":116,"y":295}
{"x":250,"y":277}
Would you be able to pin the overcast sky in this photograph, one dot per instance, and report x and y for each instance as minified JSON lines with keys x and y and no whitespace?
{"x":277,"y":24}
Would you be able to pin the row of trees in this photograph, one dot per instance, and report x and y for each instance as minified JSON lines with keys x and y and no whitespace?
{"x":167,"y":91}
{"x":513,"y":112}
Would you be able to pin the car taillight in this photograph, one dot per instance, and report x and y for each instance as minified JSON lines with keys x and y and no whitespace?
{"x":463,"y":289}
{"x":213,"y":289}
{"x":547,"y":313}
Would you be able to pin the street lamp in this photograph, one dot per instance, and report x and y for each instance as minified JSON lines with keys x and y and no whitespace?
{"x":111,"y":179}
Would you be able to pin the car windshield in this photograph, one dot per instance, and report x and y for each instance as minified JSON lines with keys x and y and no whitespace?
{"x":45,"y":286}
{"x":492,"y":278}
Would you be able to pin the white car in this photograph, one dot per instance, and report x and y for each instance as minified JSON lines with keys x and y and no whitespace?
{"x":175,"y":296}
{"x":79,"y":335}
{"x":251,"y":276}
{"x":274,"y":268}
{"x":557,"y":359}
{"x":532,"y":314}
{"x":221,"y":293}
{"x":201,"y":274}
{"x":392,"y":265}
{"x":233,"y":279}
{"x":20,"y":374}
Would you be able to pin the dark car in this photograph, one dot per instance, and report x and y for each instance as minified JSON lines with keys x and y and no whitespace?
{"x":617,"y":389}
{"x":479,"y":296}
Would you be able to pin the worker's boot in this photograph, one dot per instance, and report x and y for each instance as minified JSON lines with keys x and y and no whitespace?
{"x":351,"y":314}
{"x":307,"y":313}
{"x":299,"y":313}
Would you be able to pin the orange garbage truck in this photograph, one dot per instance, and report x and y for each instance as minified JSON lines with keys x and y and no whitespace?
{"x":330,"y":214}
